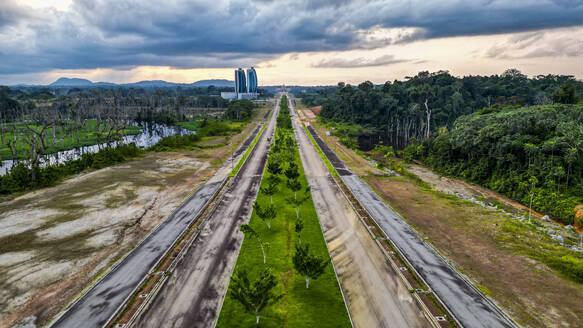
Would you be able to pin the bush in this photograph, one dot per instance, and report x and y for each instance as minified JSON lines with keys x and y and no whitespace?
{"x":505,"y":148}
{"x":20,"y":177}
{"x":568,"y":265}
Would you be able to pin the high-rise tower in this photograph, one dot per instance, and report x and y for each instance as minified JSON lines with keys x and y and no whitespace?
{"x":251,"y":80}
{"x":240,"y":82}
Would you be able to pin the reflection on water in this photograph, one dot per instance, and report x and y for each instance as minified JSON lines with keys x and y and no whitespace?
{"x":151,"y":134}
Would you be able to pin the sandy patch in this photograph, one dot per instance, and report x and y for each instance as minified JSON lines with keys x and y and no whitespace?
{"x":19,"y":221}
{"x":308,"y":113}
{"x":108,"y":237}
{"x":97,"y":216}
{"x":12,"y":258}
{"x":44,"y":273}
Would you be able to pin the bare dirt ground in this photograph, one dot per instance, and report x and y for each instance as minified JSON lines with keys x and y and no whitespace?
{"x":449,"y":185}
{"x":55,"y":241}
{"x":460,"y":187}
{"x":474,"y":240}
{"x":307,"y":114}
{"x":469,"y":235}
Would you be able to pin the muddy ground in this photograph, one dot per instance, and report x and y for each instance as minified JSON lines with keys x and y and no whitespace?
{"x":472,"y":238}
{"x":55,"y":241}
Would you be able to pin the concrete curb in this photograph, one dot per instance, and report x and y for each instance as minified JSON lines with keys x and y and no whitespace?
{"x":115,"y":265}
{"x":160,"y":284}
{"x":461,"y":275}
{"x":448,"y":263}
{"x":121,"y":260}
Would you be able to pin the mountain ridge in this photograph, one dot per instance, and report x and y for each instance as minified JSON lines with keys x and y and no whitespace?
{"x":78,"y":82}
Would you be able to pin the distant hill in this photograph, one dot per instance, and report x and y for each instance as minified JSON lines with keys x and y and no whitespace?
{"x":71,"y":82}
{"x":216,"y":83}
{"x":76,"y":82}
{"x":152,"y":84}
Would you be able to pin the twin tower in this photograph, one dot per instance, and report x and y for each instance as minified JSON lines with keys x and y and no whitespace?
{"x":245,"y":87}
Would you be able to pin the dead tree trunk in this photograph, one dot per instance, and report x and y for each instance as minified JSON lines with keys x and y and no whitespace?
{"x":428,"y":112}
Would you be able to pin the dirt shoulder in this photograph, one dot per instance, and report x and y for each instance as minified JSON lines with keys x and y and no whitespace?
{"x":484,"y":244}
{"x":56,"y":241}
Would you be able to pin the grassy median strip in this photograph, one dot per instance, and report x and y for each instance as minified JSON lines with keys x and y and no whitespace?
{"x":324,"y":158}
{"x":320,"y":305}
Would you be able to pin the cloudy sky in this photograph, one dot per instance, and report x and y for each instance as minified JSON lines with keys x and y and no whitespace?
{"x":310,"y":42}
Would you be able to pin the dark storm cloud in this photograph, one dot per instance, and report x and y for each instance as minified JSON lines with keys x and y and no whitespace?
{"x":11,"y":13}
{"x":223,"y":33}
{"x":538,"y":44}
{"x":463,"y":18}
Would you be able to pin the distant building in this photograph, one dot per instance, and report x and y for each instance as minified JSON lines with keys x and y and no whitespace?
{"x":251,"y":80}
{"x":229,"y":95}
{"x":245,"y":88}
{"x":240,"y":81}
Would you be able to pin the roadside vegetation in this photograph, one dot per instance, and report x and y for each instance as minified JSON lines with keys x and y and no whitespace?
{"x":66,"y":137}
{"x":297,"y":277}
{"x":209,"y":128}
{"x":519,"y":136}
{"x":531,"y":154}
{"x":22,"y":178}
{"x":519,"y":264}
{"x":31,"y":173}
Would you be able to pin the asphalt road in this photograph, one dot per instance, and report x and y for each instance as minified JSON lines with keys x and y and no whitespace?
{"x":193,"y":294}
{"x":469,"y":307}
{"x":374,"y":293}
{"x":96,"y":307}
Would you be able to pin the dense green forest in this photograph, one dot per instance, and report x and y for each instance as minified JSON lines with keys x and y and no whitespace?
{"x":520,"y":136}
{"x":522,"y":152}
{"x":316,"y":97}
{"x":400,"y":110}
{"x":239,"y":110}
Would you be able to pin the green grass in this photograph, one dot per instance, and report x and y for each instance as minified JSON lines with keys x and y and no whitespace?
{"x":523,"y":238}
{"x":190,"y":125}
{"x":195,"y":124}
{"x":324,"y":158}
{"x":86,"y":138}
{"x":322,"y":304}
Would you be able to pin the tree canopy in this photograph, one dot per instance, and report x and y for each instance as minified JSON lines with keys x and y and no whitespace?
{"x":309,"y":265}
{"x":256,"y":295}
{"x":506,"y":149}
{"x":398,"y":110}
